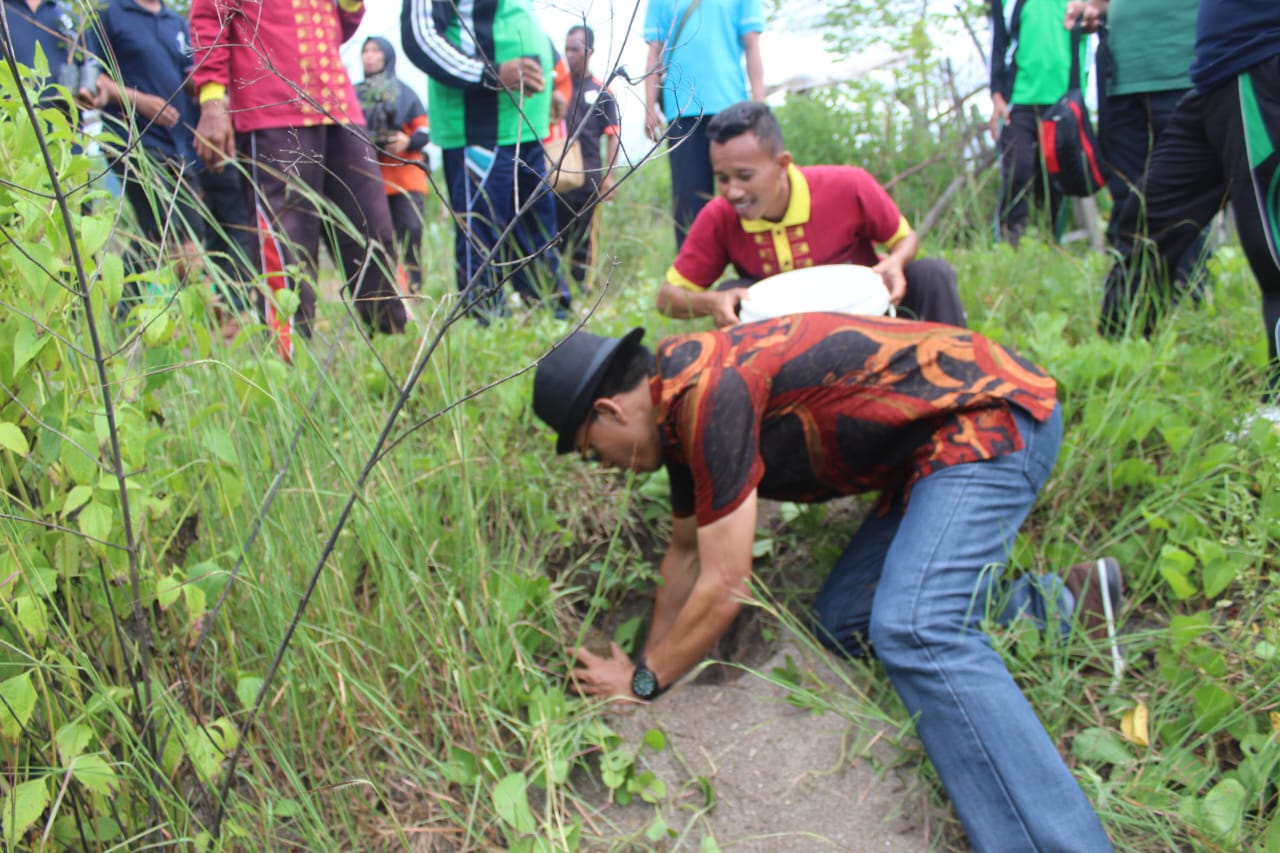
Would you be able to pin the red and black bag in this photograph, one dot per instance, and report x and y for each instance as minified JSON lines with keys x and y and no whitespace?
{"x":1067,"y":142}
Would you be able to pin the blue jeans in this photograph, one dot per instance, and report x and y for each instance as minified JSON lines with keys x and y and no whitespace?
{"x":914,"y":583}
{"x":494,"y":241}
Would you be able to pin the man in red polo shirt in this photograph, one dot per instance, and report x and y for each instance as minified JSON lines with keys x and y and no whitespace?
{"x":273,"y":90}
{"x":772,"y":216}
{"x":958,"y":434}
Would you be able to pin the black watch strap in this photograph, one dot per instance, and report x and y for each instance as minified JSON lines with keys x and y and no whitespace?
{"x":644,"y":684}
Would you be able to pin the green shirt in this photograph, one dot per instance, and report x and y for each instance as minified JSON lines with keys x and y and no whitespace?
{"x":1043,"y":53}
{"x":1151,"y":44}
{"x":479,"y":114}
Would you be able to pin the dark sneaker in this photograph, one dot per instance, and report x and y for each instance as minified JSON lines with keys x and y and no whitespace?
{"x":1098,"y":589}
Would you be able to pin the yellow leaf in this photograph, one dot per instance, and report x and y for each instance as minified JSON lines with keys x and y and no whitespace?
{"x":1275,"y":721}
{"x":1133,"y":725}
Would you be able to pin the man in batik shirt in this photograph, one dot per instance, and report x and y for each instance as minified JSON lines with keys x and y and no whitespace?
{"x":956,"y":432}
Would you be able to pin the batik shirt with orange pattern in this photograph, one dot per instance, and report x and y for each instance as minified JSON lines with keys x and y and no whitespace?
{"x":813,"y":406}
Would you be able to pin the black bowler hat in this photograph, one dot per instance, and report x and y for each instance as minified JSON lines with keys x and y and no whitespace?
{"x":565,"y":383}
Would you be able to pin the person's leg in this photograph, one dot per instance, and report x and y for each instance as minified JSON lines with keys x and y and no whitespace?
{"x":362,"y":246}
{"x":573,"y":216}
{"x":932,"y":293}
{"x":288,"y":227}
{"x":407,"y":213}
{"x":530,"y":249}
{"x":1244,"y":122}
{"x":1019,"y":165}
{"x":480,"y":181}
{"x":842,"y":608}
{"x":1003,"y":774}
{"x":692,"y":180}
{"x":228,"y":237}
{"x":1183,"y":189}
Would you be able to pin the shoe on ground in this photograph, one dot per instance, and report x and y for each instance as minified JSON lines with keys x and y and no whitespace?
{"x":1098,"y":589}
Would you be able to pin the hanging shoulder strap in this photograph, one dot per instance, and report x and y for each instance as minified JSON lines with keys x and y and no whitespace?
{"x":1073,"y":81}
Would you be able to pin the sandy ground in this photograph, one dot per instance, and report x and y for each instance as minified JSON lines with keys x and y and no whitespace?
{"x":780,"y":777}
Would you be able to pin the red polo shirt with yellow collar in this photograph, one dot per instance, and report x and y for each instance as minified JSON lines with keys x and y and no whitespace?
{"x":836,"y":215}
{"x":276,"y":61}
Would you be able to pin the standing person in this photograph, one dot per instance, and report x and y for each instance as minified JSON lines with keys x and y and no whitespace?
{"x":272,"y":86}
{"x":697,"y":50}
{"x":772,"y":216}
{"x":958,"y":434}
{"x":146,"y":51}
{"x":592,"y":114}
{"x":1030,"y":66}
{"x":398,"y":126}
{"x":1222,"y":143}
{"x":490,"y":97}
{"x":1142,"y":74}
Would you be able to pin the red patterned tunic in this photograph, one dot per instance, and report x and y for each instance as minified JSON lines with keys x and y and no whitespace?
{"x":812,"y":406}
{"x":835,"y":215}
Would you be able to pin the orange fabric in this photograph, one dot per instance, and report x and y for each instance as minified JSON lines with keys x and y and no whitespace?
{"x":406,"y":177}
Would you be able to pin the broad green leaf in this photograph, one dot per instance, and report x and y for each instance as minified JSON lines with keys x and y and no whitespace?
{"x":1223,"y":808}
{"x":1175,"y":567}
{"x":95,"y":773}
{"x":655,"y":740}
{"x":217,"y":442}
{"x":1218,"y":575}
{"x":1101,"y":746}
{"x":22,"y":807}
{"x":657,"y":830}
{"x":76,"y":498}
{"x":27,"y":341}
{"x":247,"y":689}
{"x":94,"y":232}
{"x":511,"y":802}
{"x":82,"y":467}
{"x":19,"y":701}
{"x":223,"y":734}
{"x":72,"y":740}
{"x":1212,"y":704}
{"x":32,"y":617}
{"x":168,"y":588}
{"x":12,"y":439}
{"x":95,"y":520}
{"x":1185,"y":628}
{"x":194,"y":598}
{"x":461,"y":768}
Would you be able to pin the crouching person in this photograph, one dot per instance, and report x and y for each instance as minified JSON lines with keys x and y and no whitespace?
{"x":956,"y":432}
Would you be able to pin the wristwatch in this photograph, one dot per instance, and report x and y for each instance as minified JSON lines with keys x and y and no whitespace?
{"x":644,"y":684}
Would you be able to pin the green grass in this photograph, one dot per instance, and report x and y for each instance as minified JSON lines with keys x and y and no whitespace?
{"x":423,"y":692}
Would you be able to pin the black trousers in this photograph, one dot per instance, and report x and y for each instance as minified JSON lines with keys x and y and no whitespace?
{"x":1219,"y":146}
{"x":693,"y":183}
{"x":1128,"y":128}
{"x":1023,"y":179}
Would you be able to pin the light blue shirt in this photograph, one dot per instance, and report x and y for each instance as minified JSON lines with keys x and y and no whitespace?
{"x":704,"y":65}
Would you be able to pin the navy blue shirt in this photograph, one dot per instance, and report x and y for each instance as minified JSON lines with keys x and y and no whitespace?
{"x":1232,"y":36}
{"x":52,"y":26}
{"x":150,"y":53}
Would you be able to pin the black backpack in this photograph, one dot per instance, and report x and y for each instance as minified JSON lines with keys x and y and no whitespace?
{"x":1067,"y":142}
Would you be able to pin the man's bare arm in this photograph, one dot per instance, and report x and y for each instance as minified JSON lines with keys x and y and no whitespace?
{"x":714,"y":599}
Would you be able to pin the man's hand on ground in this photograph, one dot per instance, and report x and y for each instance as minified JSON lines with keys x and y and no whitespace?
{"x":605,"y":676}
